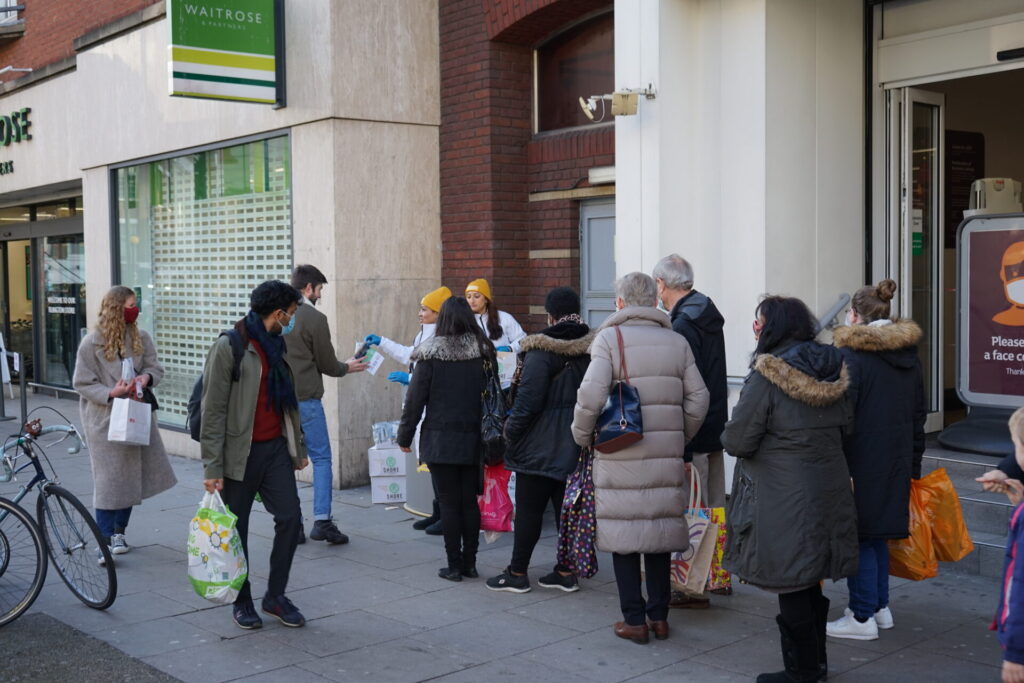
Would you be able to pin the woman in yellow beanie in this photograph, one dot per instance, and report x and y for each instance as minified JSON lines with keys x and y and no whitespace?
{"x":430,"y":305}
{"x":498,"y":326}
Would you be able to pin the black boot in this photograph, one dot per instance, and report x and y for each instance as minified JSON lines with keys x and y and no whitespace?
{"x":799,"y":653}
{"x":469,"y":562}
{"x":453,"y":572}
{"x":820,"y":620}
{"x":422,"y":524}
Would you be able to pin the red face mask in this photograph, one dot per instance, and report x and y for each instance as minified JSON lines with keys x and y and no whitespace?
{"x":131,"y":314}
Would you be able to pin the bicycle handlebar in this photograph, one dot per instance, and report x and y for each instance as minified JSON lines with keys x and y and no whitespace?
{"x":71,"y":431}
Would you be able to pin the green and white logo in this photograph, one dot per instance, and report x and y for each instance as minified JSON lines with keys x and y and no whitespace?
{"x":390,"y":461}
{"x":223,"y":49}
{"x":394,"y":488}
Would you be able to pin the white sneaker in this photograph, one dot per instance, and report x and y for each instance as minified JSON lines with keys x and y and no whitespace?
{"x":848,"y":627}
{"x":118,"y":546}
{"x":100,"y":560}
{"x":883,"y":617}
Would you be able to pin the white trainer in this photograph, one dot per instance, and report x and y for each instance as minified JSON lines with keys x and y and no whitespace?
{"x":883,"y":617}
{"x":848,"y":627}
{"x":118,"y":546}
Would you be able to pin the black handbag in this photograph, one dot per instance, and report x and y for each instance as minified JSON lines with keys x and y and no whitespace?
{"x":494,"y":412}
{"x":620,"y":423}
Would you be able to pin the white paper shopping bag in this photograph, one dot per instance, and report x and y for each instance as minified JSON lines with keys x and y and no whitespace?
{"x":130,"y":422}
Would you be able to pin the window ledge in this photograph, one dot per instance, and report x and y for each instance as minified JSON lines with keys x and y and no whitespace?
{"x":11,"y":31}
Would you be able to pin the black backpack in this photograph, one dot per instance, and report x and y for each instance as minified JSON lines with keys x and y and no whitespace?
{"x":195,"y":411}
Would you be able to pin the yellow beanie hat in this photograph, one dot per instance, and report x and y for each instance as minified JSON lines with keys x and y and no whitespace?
{"x":481,"y":286}
{"x":433,"y":300}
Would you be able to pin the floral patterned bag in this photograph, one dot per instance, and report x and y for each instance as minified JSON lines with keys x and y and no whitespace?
{"x":577,"y":531}
{"x":718,"y":578}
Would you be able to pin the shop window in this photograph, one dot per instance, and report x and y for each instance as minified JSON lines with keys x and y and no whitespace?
{"x":580,"y":61}
{"x":15,"y":214}
{"x":196,"y":233}
{"x":62,"y":209}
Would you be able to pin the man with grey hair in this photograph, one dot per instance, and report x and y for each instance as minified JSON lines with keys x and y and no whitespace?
{"x":695,"y":317}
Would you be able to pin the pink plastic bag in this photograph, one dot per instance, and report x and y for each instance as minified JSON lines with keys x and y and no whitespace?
{"x":495,"y":504}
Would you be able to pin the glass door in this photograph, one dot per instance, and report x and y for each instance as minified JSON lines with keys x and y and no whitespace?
{"x":916,"y":238}
{"x":62,"y":285}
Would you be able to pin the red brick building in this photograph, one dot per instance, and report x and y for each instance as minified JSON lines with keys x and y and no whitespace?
{"x":515,"y":147}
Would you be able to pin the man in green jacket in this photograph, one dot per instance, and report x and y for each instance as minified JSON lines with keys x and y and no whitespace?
{"x":251,"y":439}
{"x":311,"y":355}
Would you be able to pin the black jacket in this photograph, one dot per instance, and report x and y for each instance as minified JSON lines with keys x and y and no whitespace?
{"x":884,"y":450}
{"x":696,"y":317}
{"x":539,"y":439}
{"x":448,"y":380}
{"x":791,"y":518}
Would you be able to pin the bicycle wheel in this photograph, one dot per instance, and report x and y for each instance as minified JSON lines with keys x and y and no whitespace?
{"x":22,"y":559}
{"x":72,"y":539}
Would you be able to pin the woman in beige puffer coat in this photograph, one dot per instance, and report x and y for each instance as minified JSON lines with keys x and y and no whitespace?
{"x":640,"y":490}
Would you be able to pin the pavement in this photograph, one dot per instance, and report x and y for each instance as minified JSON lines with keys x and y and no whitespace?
{"x":377,"y":611}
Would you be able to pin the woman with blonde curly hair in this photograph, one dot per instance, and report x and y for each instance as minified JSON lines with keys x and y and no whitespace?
{"x":123,"y":474}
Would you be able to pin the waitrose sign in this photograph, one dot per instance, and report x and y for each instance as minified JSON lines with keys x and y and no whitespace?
{"x":227,"y":49}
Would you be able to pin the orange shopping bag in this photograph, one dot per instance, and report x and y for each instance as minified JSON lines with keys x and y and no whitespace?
{"x":949,"y":533}
{"x":914,"y":557}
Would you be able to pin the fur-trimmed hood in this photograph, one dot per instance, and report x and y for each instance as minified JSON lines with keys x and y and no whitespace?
{"x":872,"y":338}
{"x":562,"y":347}
{"x":824,"y":389}
{"x":464,"y":347}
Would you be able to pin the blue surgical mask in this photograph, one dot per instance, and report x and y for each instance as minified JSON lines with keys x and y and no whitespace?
{"x":289,"y":327}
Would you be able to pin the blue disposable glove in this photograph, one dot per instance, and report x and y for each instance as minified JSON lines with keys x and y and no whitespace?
{"x":400,"y":377}
{"x":504,"y":348}
{"x":372,"y":339}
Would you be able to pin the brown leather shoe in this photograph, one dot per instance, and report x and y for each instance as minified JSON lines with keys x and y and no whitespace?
{"x":683,"y":601}
{"x":638,"y":634}
{"x":660,"y":629}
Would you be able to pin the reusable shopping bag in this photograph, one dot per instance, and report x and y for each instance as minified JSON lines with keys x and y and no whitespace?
{"x":216,"y":562}
{"x":577,"y":529}
{"x":719,"y":576}
{"x":689,"y":569}
{"x":914,"y":557}
{"x":495,"y":503}
{"x":949,"y":533}
{"x":129,"y":422}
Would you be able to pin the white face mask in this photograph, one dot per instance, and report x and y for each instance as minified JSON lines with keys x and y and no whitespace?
{"x":1015,"y":291}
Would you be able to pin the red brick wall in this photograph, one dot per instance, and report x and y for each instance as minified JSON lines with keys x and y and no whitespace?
{"x":491,"y":161}
{"x":51,"y":26}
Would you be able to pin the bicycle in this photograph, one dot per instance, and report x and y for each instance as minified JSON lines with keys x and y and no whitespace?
{"x":70,"y":533}
{"x":22,"y":568}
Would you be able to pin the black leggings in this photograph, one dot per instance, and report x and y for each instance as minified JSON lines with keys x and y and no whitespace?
{"x":533,"y":493}
{"x":457,"y":487}
{"x":801,"y":606}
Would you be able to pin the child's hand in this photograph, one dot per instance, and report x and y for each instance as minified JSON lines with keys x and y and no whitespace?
{"x":993,"y":480}
{"x":1012,"y":672}
{"x":1015,"y":492}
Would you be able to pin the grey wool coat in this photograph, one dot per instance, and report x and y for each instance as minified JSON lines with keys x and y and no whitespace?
{"x":640,"y":491}
{"x":122,"y":475}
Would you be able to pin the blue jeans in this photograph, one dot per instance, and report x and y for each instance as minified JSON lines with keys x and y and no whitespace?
{"x":869,"y":588}
{"x":112,"y":521}
{"x":318,"y":443}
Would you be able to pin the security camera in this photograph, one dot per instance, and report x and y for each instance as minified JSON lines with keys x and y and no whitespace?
{"x":589,"y":106}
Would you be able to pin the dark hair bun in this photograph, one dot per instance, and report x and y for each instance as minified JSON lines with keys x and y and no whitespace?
{"x":886,"y":289}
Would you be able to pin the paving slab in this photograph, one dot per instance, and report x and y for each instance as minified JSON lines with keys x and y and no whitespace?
{"x":228,"y":659}
{"x":397,"y":660}
{"x":914,"y":665}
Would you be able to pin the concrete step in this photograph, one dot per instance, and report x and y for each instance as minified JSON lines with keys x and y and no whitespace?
{"x":986,"y":515}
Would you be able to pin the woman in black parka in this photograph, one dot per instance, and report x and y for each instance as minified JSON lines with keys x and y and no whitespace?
{"x":448,"y":380}
{"x":791,"y":518}
{"x":541,"y":450}
{"x":885,"y":448}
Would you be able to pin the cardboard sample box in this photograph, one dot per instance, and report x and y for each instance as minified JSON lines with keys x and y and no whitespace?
{"x":386,"y":462}
{"x":387,"y":489}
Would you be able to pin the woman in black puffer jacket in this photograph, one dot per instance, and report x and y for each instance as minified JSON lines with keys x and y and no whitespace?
{"x":791,"y":518}
{"x":884,"y":451}
{"x":541,"y":450}
{"x":447,"y":381}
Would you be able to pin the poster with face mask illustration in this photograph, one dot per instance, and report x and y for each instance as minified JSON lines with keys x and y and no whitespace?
{"x":992,"y":311}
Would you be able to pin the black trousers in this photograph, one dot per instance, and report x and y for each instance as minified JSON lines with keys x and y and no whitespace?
{"x":533,"y":494}
{"x":457,"y":487}
{"x":801,"y":606}
{"x":659,"y":586}
{"x":270,"y":473}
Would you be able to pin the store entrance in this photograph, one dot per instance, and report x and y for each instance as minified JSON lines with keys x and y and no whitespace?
{"x":941,"y":138}
{"x":42,"y":288}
